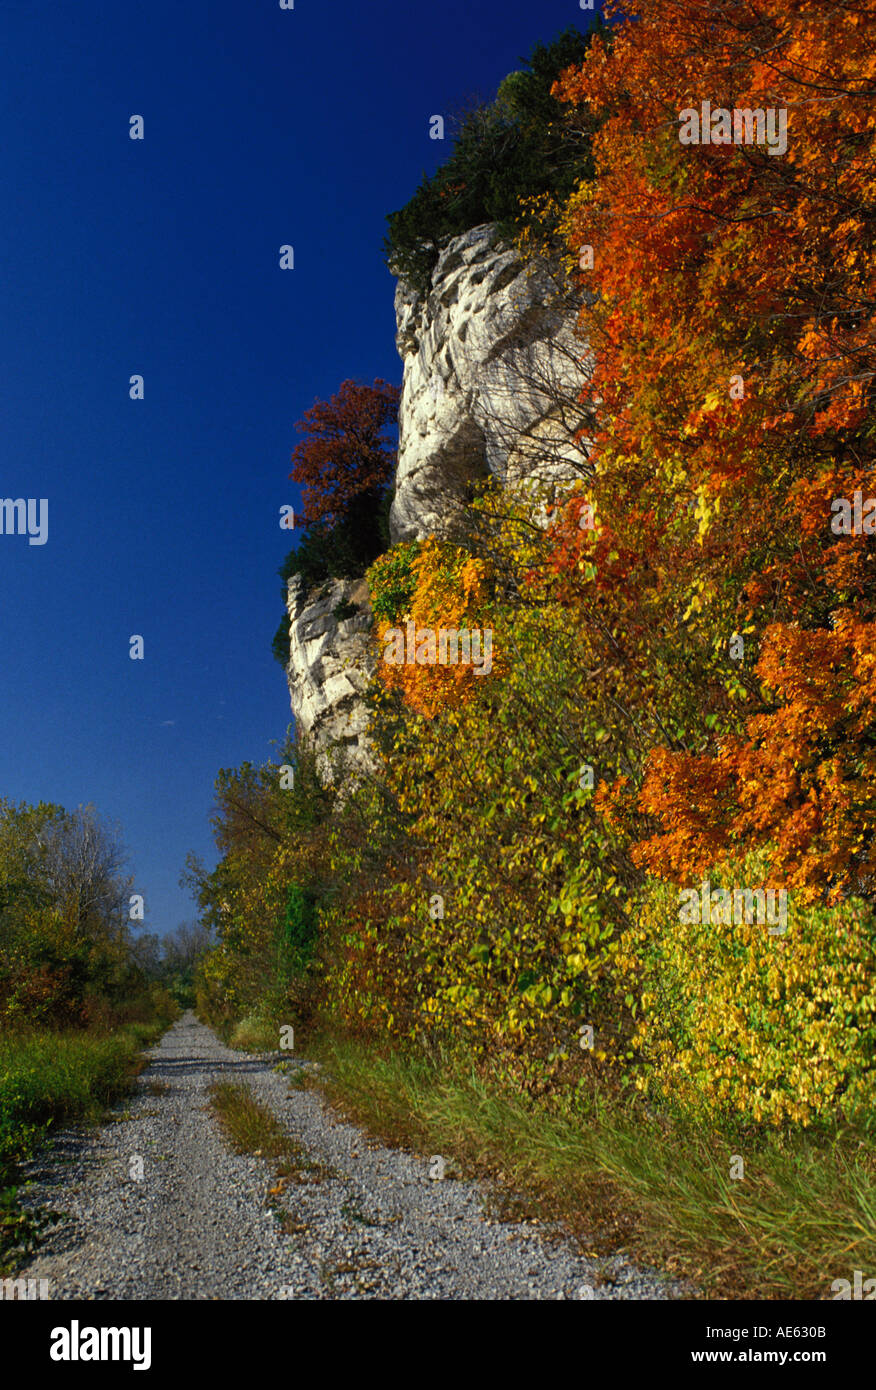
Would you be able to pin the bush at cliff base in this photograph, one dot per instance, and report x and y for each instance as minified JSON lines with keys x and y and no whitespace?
{"x":438,"y":586}
{"x":493,"y":925}
{"x":780,"y":1028}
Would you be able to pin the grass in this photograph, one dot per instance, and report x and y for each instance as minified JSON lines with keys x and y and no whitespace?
{"x":254,"y":1033}
{"x":803,"y":1215}
{"x":253,"y":1128}
{"x":47,"y":1080}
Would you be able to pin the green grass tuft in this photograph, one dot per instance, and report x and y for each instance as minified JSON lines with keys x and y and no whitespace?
{"x":255,"y":1033}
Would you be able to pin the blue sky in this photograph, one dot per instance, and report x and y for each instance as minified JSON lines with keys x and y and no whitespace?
{"x":263,"y":127}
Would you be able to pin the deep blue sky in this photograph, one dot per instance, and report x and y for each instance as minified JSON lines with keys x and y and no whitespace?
{"x":160,"y":257}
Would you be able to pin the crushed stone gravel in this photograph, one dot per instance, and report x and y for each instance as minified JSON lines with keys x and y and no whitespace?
{"x":156,"y":1206}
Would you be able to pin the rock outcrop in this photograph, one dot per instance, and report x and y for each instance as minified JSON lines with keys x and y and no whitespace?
{"x":330,"y":666}
{"x":492,"y":371}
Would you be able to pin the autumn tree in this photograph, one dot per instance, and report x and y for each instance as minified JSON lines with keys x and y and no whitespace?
{"x":65,"y":948}
{"x":732,"y":289}
{"x":346,"y":454}
{"x":344,"y":465}
{"x":268,"y":825}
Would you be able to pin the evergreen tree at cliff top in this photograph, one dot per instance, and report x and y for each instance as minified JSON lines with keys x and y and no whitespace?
{"x":521,"y":145}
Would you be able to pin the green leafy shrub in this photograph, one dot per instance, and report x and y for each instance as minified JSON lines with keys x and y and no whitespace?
{"x":297,"y":933}
{"x":255,"y":1032}
{"x":392,"y":581}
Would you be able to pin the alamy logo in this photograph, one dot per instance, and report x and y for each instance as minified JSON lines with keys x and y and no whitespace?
{"x":723,"y":907}
{"x":75,"y":1343}
{"x":448,"y":646}
{"x":20,"y":517}
{"x":741,"y":126}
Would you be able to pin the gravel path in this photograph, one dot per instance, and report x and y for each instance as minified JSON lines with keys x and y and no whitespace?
{"x":370,"y":1224}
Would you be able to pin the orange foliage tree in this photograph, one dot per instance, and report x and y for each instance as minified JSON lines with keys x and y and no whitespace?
{"x":448,"y":592}
{"x":731,"y":300}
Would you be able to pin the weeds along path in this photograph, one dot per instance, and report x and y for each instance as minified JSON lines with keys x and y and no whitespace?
{"x":157,"y":1205}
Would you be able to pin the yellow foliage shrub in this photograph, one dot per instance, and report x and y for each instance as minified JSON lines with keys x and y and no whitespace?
{"x":779,"y":1027}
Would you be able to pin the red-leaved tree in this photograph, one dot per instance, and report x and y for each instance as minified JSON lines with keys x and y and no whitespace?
{"x":346,"y":451}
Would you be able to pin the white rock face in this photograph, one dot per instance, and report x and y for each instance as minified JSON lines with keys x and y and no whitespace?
{"x":330,"y":666}
{"x":492,"y":371}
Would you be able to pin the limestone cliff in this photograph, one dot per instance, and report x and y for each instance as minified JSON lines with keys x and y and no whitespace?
{"x":330,"y":664}
{"x":492,"y":370}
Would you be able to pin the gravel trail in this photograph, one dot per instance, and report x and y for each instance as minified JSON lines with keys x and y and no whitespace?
{"x":199,"y":1225}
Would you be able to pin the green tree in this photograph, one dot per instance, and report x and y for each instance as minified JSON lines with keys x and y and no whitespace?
{"x":522,"y":145}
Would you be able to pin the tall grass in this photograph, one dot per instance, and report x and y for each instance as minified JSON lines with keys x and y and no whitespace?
{"x":803,"y":1214}
{"x":49,"y":1079}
